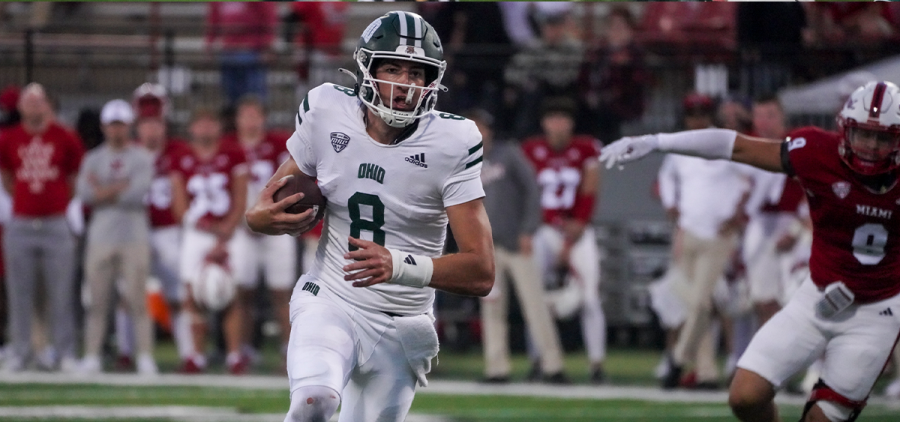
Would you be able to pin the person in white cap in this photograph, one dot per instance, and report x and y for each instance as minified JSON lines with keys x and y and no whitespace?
{"x":113,"y":180}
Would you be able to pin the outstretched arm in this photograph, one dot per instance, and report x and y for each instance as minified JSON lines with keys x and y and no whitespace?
{"x":704,"y":143}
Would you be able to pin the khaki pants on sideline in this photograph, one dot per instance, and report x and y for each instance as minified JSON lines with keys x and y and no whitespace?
{"x":524,"y":273}
{"x":104,"y":265}
{"x":702,"y":262}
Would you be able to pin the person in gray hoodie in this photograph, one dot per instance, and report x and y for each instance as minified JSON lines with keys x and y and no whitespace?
{"x":113,"y":180}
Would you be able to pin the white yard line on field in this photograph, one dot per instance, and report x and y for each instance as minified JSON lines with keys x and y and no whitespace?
{"x":175,"y":413}
{"x":434,"y":387}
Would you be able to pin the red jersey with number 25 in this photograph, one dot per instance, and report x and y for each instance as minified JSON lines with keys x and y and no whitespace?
{"x":209,"y":182}
{"x":559,"y":173}
{"x":159,"y":198}
{"x":856,"y":232}
{"x":263,"y":159}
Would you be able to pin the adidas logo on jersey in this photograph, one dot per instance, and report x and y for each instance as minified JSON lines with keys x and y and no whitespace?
{"x":886,"y":312}
{"x":418,"y":159}
{"x":410,"y":260}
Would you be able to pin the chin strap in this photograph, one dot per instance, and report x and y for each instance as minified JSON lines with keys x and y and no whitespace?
{"x":347,"y":72}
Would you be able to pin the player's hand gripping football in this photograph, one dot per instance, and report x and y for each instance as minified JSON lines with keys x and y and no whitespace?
{"x":628,"y":149}
{"x":372,"y":264}
{"x":269,"y":217}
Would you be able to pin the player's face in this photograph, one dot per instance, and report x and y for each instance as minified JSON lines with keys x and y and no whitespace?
{"x":397,"y":94}
{"x":694,"y":120}
{"x":116,"y":132}
{"x":768,"y":120}
{"x":34,"y":107}
{"x":872,"y":145}
{"x":558,"y":128}
{"x":250,"y":118}
{"x":205,"y":131}
{"x":733,"y":116}
{"x":151,"y":133}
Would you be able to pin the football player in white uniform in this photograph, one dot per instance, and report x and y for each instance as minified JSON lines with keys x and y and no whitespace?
{"x":395,"y":173}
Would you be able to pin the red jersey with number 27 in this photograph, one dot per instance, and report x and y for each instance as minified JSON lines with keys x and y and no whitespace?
{"x":559,"y":173}
{"x":856,"y":232}
{"x":209,"y":181}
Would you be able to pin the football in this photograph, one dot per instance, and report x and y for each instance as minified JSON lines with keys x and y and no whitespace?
{"x":312,"y":196}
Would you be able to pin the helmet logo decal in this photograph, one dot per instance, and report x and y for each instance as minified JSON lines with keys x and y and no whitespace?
{"x":410,"y":49}
{"x":370,"y":30}
{"x":841,"y":189}
{"x":339,"y":141}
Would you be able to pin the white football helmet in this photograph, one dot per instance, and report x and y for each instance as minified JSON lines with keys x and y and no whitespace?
{"x":566,"y":301}
{"x":214,"y":287}
{"x":874,"y":108}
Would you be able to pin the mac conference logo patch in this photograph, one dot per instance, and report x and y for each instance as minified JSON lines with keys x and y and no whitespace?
{"x":841,"y":189}
{"x":339,"y":141}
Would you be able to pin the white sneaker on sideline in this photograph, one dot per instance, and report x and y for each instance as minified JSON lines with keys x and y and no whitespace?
{"x":69,"y":365}
{"x":146,"y":365}
{"x":90,"y":364}
{"x":45,"y":360}
{"x":13,"y":364}
{"x":893,"y":389}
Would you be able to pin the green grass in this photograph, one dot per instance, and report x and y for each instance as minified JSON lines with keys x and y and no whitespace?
{"x":623,"y":366}
{"x":460,"y":408}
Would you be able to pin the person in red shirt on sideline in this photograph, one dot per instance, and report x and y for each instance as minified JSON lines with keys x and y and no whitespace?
{"x":209,"y":197}
{"x":275,"y":255}
{"x":565,"y":246}
{"x":847,"y":308}
{"x":39,"y":160}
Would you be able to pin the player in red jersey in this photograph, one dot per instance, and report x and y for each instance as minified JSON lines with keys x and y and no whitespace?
{"x":209,"y":197}
{"x":848,"y":308}
{"x":276,"y":255}
{"x":568,"y":175}
{"x":165,"y":232}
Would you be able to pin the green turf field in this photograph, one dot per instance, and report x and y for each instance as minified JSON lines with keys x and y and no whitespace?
{"x":468,"y":401}
{"x":460,"y":408}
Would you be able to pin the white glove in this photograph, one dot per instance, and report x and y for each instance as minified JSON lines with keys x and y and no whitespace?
{"x":628,"y":149}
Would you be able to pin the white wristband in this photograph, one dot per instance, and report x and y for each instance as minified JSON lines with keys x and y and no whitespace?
{"x":712,"y":144}
{"x":411,"y":270}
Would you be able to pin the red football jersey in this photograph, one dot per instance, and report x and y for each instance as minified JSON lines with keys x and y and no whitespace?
{"x":159,"y":198}
{"x":41,"y":166}
{"x":856,"y":238}
{"x":559,"y":173}
{"x":209,"y":182}
{"x":263,"y":158}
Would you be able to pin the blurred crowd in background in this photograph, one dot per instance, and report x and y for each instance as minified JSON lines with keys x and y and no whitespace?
{"x":547,"y":83}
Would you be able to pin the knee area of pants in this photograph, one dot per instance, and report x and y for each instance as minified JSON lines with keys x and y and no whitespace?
{"x":313,"y":404}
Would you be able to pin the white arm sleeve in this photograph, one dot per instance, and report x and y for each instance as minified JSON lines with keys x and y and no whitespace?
{"x":704,"y":143}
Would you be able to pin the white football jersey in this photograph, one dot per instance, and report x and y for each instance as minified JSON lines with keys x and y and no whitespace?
{"x":394,"y":195}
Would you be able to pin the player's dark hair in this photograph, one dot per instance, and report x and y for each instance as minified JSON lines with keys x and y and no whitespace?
{"x":251,"y":100}
{"x":559,"y":105}
{"x":204,"y":112}
{"x":768,"y":99}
